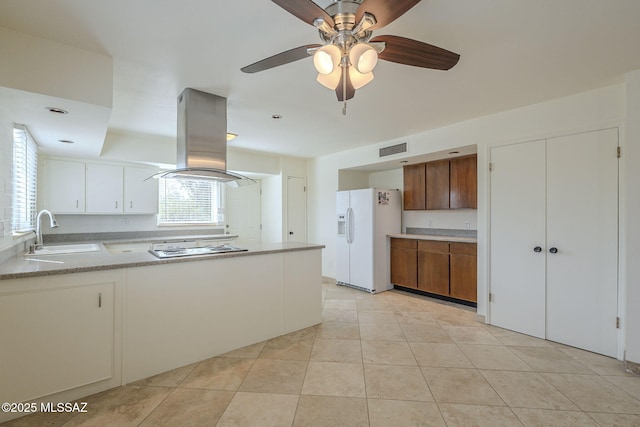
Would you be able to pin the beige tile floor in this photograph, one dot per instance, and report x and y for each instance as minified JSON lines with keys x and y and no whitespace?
{"x":391,"y":359}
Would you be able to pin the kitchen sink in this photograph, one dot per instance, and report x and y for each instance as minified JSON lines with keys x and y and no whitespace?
{"x":66,"y":249}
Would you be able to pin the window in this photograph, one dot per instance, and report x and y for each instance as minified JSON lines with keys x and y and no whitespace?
{"x":186,"y":201}
{"x":25,"y":177}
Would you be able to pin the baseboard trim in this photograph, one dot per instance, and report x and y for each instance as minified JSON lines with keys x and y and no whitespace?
{"x":632,"y":367}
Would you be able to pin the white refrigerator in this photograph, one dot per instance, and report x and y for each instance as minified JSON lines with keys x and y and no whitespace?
{"x":365,"y":218}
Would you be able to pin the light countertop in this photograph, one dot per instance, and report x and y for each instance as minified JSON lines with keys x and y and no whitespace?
{"x":23,"y":266}
{"x":455,"y":239}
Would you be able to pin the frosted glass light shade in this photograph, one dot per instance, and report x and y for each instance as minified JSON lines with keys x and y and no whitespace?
{"x":330,"y":81}
{"x":363,"y":58}
{"x":326,"y":59}
{"x":359,"y":79}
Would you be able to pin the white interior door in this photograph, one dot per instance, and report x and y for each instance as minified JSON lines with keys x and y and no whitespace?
{"x":582,"y":224}
{"x":517,"y":228}
{"x":296,"y":210}
{"x":243,"y":211}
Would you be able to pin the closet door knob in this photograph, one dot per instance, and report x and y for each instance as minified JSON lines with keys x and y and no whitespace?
{"x":537,"y":249}
{"x":553,"y":250}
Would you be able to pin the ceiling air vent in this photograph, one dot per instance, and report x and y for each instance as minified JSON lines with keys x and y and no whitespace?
{"x":394,"y":149}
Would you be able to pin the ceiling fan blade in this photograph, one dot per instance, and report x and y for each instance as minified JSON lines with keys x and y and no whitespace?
{"x":385,"y":11}
{"x":351,"y":91}
{"x":412,"y":52}
{"x":280,"y":59}
{"x":306,"y":10}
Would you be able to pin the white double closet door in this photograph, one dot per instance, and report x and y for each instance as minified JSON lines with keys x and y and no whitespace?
{"x":554,"y":239}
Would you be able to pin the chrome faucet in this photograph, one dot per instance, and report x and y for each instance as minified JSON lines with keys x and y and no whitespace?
{"x":52,"y":222}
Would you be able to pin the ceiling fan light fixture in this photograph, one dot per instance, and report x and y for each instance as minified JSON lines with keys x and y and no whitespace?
{"x":363,"y":57}
{"x":359,"y":79}
{"x":326,"y":59}
{"x":331,"y":80}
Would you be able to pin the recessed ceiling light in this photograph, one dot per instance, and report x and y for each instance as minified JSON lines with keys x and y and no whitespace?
{"x":57,"y":110}
{"x":231,"y":136}
{"x":276,"y":116}
{"x":66,"y":141}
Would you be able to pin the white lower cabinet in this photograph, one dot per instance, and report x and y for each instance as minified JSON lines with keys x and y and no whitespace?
{"x":55,"y":338}
{"x":181,"y":313}
{"x":554,"y":239}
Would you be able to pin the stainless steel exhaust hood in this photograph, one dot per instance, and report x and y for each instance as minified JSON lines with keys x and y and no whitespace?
{"x":202,"y":139}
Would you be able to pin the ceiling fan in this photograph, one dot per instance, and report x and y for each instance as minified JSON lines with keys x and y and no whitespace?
{"x":348,"y":55}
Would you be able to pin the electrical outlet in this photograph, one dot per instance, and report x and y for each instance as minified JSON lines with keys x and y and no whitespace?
{"x":467,"y":225}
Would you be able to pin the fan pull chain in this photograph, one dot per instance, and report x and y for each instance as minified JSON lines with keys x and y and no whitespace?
{"x":344,"y":90}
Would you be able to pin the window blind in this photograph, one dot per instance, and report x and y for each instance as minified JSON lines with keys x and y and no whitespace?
{"x":189,"y":201}
{"x":25,"y":180}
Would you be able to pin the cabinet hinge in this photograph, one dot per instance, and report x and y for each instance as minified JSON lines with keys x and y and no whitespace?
{"x":617,"y":323}
{"x":490,"y":297}
{"x":619,"y":152}
{"x":490,"y":167}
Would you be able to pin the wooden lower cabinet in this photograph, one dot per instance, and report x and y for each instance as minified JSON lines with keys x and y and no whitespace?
{"x":438,"y":267}
{"x":404,"y":262}
{"x":433,"y":267}
{"x":463,"y":271}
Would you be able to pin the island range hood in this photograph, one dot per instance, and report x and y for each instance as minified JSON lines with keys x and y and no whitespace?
{"x":202,"y":139}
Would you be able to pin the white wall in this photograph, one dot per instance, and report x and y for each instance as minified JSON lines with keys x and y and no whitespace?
{"x":585,"y":111}
{"x":272,"y":209}
{"x":391,"y":179}
{"x":631,"y":237}
{"x":43,"y":66}
{"x":6,"y":176}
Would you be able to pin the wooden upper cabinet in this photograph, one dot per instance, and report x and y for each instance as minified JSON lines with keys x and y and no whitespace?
{"x":442,"y":184}
{"x":437,"y":185}
{"x":463,"y":183}
{"x":414,"y":187}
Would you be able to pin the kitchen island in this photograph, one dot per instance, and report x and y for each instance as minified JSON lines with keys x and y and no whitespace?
{"x":92,"y":321}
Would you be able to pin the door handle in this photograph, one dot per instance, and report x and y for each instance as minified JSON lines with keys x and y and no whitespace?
{"x":537,"y":249}
{"x":553,"y":250}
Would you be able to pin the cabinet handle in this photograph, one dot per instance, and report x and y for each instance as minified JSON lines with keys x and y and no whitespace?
{"x":537,"y":249}
{"x":131,"y":204}
{"x":77,"y":204}
{"x":553,"y":250}
{"x":100,"y":300}
{"x":116,"y":204}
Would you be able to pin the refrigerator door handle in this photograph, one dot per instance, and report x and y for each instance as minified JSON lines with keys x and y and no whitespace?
{"x":349,"y":225}
{"x":346,"y":226}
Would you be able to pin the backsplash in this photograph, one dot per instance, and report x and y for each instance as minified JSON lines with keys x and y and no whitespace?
{"x":442,"y":232}
{"x":127,"y":235}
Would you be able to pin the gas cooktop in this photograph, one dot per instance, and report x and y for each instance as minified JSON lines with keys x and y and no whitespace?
{"x":194,"y":251}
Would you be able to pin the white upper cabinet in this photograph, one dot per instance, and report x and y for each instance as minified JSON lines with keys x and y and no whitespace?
{"x":63,"y":183}
{"x":79,"y":187}
{"x":104,"y":186}
{"x":140,"y":196}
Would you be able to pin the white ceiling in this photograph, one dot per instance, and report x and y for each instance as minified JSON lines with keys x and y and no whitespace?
{"x":513,"y":53}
